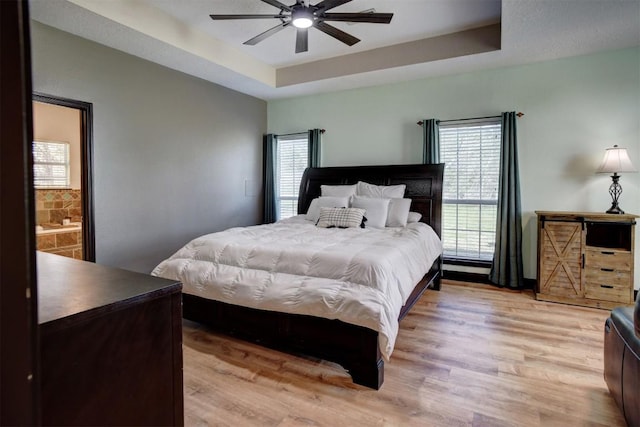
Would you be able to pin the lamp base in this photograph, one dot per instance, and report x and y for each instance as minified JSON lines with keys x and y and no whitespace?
{"x":615,"y":209}
{"x":615,"y":190}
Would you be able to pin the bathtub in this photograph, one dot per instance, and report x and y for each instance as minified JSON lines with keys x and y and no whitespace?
{"x":65,"y":240}
{"x":53,"y":229}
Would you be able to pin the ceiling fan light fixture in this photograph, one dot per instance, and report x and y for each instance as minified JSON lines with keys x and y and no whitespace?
{"x":302,"y":15}
{"x":302,"y":18}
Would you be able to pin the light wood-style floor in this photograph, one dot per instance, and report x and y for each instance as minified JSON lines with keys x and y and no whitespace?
{"x":469,"y":355}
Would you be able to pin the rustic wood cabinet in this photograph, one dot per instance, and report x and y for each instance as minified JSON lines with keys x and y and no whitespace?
{"x":110,"y":345}
{"x":585,"y":258}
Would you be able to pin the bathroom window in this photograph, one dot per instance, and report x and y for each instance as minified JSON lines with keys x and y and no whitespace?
{"x":51,"y":164}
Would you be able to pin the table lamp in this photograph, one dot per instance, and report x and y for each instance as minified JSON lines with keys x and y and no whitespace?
{"x":616,"y":160}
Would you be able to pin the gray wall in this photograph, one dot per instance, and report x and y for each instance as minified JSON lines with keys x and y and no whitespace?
{"x":175,"y":157}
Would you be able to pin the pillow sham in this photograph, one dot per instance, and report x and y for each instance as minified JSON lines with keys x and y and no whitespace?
{"x":376,"y":210}
{"x":380,"y":191}
{"x":338,"y":190}
{"x":340,"y":217}
{"x":398,"y":212}
{"x":414,"y":217}
{"x":313,"y":213}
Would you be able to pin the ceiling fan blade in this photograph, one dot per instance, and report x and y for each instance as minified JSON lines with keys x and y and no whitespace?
{"x":271,"y":31}
{"x":277,"y":4}
{"x":345,"y":38}
{"x":220,"y":17}
{"x":302,"y":40}
{"x":329,"y":4}
{"x":374,"y":18}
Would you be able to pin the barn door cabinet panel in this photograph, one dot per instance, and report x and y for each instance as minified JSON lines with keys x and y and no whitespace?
{"x":110,"y":345}
{"x":585,"y":258}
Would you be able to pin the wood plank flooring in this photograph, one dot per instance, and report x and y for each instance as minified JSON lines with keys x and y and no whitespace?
{"x":469,"y":355}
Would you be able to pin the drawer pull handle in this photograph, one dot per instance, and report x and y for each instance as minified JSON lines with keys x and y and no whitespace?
{"x":607,"y":269}
{"x":607,"y":253}
{"x":606,"y":286}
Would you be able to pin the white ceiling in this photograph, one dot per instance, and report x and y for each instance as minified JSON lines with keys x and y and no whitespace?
{"x":179,"y":34}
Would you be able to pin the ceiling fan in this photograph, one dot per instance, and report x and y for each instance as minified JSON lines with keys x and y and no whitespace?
{"x":303,"y":15}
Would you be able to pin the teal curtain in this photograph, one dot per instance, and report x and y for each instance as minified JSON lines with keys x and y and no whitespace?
{"x":431,"y":140}
{"x":270,"y":153}
{"x":315,"y":137}
{"x":506,"y":269}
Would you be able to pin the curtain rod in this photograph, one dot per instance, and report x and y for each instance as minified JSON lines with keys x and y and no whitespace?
{"x":296,"y":133}
{"x":421,"y":122}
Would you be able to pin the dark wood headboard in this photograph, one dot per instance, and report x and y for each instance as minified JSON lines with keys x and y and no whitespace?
{"x":424,"y":185}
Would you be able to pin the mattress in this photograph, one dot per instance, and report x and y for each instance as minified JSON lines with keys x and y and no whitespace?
{"x":359,"y":276}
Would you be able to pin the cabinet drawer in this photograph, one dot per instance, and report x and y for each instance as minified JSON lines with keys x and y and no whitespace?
{"x":606,"y":276}
{"x":605,"y":292}
{"x":608,"y":258}
{"x":603,"y":284}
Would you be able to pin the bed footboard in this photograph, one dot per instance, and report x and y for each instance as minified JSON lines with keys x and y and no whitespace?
{"x":355,"y":348}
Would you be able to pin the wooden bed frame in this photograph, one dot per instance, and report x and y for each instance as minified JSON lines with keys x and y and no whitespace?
{"x":354,"y":347}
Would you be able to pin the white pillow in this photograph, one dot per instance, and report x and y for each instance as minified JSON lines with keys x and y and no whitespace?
{"x":380,"y":191}
{"x":340,"y":217}
{"x":376,"y":210}
{"x":398,"y":212}
{"x":338,"y":190}
{"x":325,"y":202}
{"x":414,"y":217}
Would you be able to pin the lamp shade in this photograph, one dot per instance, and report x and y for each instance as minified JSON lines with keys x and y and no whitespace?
{"x":615,"y":160}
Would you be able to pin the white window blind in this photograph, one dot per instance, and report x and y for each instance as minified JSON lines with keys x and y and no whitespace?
{"x":51,"y":164}
{"x":471,"y":153}
{"x":293,"y":158}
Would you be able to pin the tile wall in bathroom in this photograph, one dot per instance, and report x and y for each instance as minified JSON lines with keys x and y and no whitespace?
{"x":53,"y":205}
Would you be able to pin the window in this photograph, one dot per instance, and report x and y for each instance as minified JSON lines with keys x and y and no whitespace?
{"x":51,"y":164}
{"x":471,"y":153}
{"x":293,"y":158}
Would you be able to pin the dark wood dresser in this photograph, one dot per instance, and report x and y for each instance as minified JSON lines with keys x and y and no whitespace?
{"x":110,"y":345}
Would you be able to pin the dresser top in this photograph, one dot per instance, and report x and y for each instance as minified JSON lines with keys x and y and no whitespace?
{"x":595,"y":216}
{"x":74,"y":290}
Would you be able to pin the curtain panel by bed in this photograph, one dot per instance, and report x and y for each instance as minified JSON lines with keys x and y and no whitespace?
{"x":506,"y":269}
{"x":315,"y":137}
{"x":270,"y":151}
{"x":431,"y":141}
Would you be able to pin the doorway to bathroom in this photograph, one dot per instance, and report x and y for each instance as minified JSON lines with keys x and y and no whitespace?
{"x":63,"y":179}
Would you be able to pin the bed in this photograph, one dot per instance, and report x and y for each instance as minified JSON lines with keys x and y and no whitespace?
{"x":341,"y":335}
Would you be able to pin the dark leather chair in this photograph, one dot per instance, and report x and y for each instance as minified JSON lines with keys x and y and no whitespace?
{"x":622,"y":360}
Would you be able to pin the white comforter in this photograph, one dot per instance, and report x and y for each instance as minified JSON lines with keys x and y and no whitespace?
{"x":359,"y":276}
